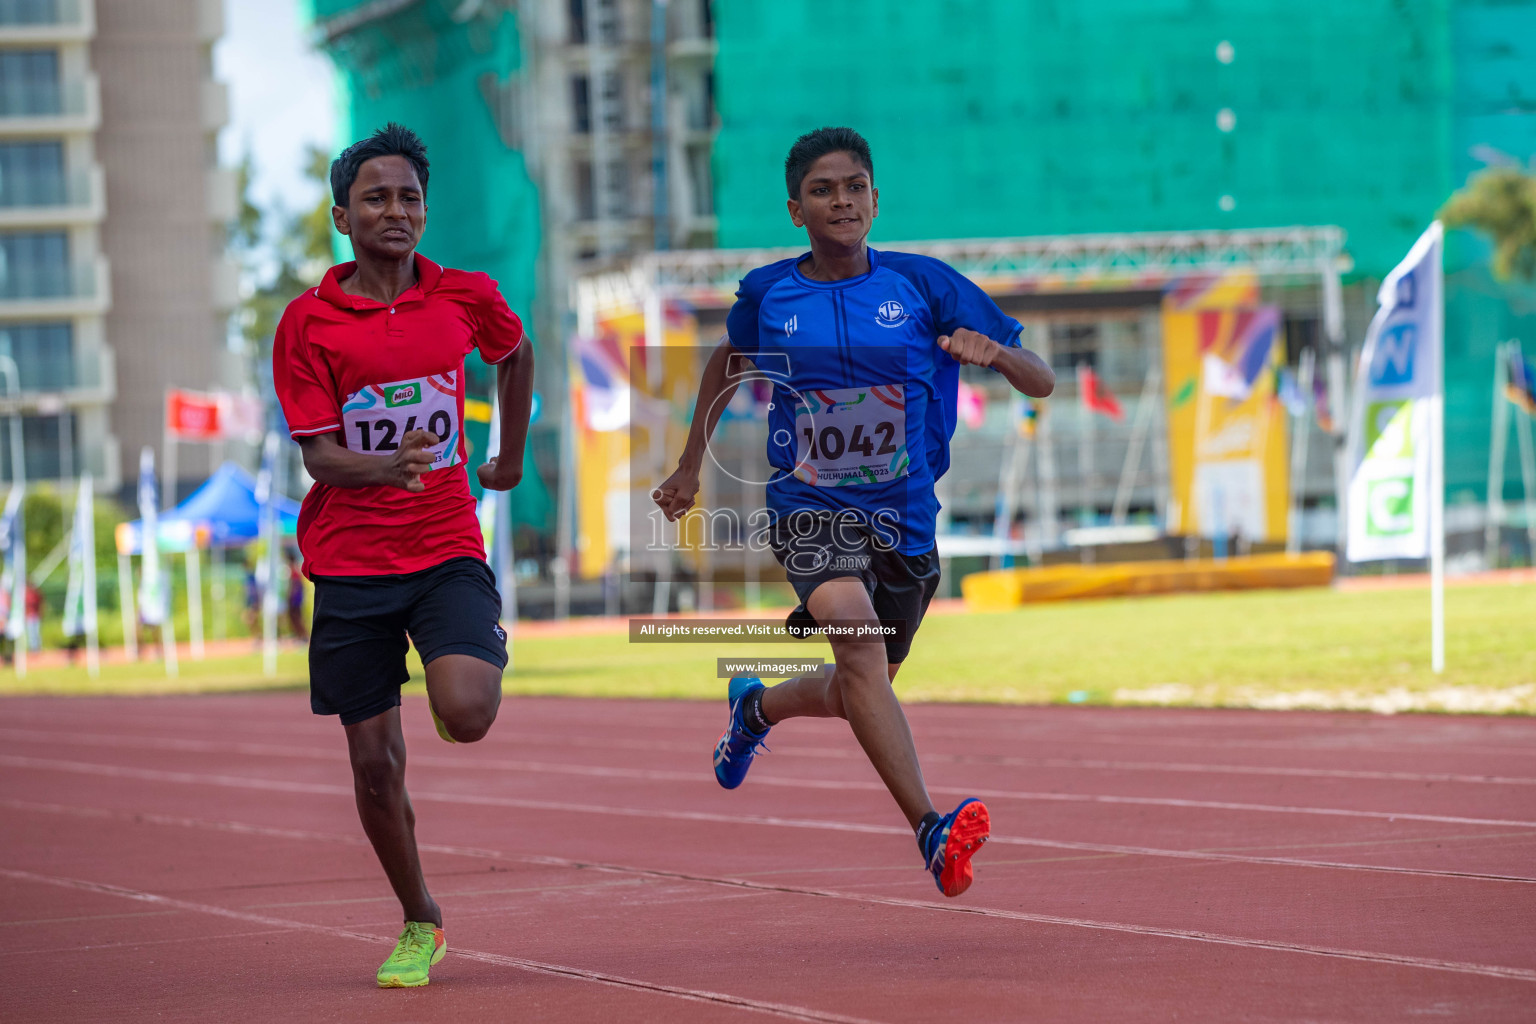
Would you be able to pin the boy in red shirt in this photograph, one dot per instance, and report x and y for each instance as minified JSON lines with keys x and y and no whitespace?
{"x":369,"y":368}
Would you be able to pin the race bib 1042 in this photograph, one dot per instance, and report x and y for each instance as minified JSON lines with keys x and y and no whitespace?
{"x":849,"y":436}
{"x":378,"y":416}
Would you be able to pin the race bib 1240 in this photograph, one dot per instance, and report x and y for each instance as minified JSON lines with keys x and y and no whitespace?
{"x":378,"y":416}
{"x":849,"y":436}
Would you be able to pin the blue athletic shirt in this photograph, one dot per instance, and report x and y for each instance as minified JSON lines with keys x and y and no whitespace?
{"x":864,"y":400}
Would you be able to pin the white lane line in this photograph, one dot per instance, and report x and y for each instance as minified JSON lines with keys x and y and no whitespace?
{"x":828,"y":753}
{"x":693,"y":995}
{"x":563,"y":862}
{"x":486,"y":854}
{"x":148,"y":942}
{"x":1215,"y":938}
{"x":20,"y":761}
{"x":238,"y":782}
{"x":1430,"y":963}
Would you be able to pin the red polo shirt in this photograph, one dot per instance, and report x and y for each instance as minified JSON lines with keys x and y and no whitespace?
{"x":373,"y":371}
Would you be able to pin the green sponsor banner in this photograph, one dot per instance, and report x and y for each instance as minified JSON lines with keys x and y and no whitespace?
{"x":1389,"y":507}
{"x":1389,"y":430}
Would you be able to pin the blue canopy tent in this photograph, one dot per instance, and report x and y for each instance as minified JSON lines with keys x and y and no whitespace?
{"x":222,"y":513}
{"x":224,"y":506}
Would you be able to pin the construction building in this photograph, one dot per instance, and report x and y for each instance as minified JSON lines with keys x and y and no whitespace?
{"x":996,"y":128}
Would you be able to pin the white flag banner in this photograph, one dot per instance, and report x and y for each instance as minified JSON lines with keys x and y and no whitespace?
{"x":79,"y":607}
{"x":13,"y":541}
{"x":152,"y":582}
{"x":1391,"y":440}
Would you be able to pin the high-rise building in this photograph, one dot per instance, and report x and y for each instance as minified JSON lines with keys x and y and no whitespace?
{"x":113,"y":279}
{"x":168,"y":204}
{"x":56,"y":365}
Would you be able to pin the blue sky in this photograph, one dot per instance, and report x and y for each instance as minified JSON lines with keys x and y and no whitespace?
{"x":281,"y":99}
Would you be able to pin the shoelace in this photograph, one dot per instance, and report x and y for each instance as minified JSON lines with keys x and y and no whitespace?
{"x":755,"y":747}
{"x":936,"y":859}
{"x":416,"y":942}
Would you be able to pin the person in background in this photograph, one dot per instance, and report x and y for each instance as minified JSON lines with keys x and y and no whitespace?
{"x":35,"y":604}
{"x":296,"y":598}
{"x":252,"y":599}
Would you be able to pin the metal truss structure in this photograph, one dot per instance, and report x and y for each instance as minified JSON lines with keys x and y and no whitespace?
{"x":1003,"y":265}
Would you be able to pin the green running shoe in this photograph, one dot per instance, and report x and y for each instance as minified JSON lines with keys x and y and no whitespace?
{"x":421,"y":945}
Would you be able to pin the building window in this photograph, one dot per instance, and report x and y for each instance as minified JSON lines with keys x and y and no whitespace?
{"x":617,"y":200}
{"x":700,"y":189}
{"x":586,"y":193}
{"x":613,"y":101}
{"x":44,"y":354}
{"x":581,"y":104}
{"x":606,"y":14}
{"x":29,"y":12}
{"x":697,"y":94}
{"x":1302,"y":331}
{"x":577,"y":12}
{"x":29,"y":82}
{"x":1073,"y":345}
{"x":32,"y":174}
{"x":49,"y":445}
{"x":34,"y":265}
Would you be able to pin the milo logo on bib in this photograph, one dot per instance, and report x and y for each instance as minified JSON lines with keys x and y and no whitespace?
{"x":408,"y":395}
{"x":377,"y":417}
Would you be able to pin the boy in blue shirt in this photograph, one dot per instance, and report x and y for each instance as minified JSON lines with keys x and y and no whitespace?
{"x":864,"y":349}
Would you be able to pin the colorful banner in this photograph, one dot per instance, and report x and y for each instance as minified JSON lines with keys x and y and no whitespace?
{"x":623,"y":399}
{"x":1227,"y":433}
{"x":1390,"y":433}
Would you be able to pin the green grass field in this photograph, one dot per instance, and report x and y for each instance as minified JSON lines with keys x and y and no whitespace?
{"x":1277,"y":649}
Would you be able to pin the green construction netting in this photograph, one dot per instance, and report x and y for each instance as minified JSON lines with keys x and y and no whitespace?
{"x":1039,"y":117}
{"x":450,"y":72}
{"x":1059,"y":116}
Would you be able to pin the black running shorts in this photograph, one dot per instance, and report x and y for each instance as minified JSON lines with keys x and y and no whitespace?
{"x":817,"y":547}
{"x":358,"y":639}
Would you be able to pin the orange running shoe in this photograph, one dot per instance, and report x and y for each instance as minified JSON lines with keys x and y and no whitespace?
{"x":953,"y":842}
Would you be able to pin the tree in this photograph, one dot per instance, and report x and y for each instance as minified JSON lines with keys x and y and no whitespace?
{"x":302,"y":246}
{"x":1501,"y":203}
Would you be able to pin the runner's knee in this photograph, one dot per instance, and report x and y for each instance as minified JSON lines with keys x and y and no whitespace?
{"x":378,"y":771}
{"x":465,"y":692}
{"x":468,"y":721}
{"x":859,"y":664}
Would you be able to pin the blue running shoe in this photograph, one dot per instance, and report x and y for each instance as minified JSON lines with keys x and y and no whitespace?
{"x":738,"y":745}
{"x":953,"y":842}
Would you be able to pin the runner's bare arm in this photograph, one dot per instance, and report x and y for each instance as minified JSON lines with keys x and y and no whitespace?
{"x":1027,"y":372}
{"x":676,"y":493}
{"x":514,"y":387}
{"x":329,"y":463}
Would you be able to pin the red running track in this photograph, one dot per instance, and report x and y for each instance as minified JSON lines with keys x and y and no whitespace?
{"x":199,"y":859}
